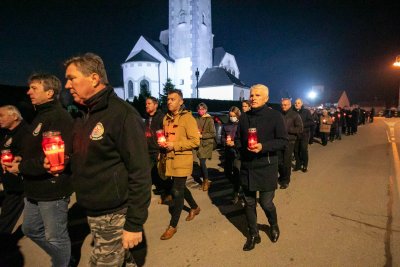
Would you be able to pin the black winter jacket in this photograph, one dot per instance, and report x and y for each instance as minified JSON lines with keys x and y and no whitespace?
{"x":294,"y":124}
{"x":307,"y":120}
{"x":13,"y":141}
{"x":259,"y":171}
{"x":39,"y":185}
{"x":110,"y":162}
{"x":153,"y":124}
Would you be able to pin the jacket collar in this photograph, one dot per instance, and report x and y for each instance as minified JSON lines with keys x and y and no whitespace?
{"x":99,"y":100}
{"x":46,"y":106}
{"x":12,"y":132}
{"x":181,"y":112}
{"x":257,"y":111}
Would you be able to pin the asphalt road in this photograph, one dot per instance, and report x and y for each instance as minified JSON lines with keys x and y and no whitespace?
{"x":344,"y":212}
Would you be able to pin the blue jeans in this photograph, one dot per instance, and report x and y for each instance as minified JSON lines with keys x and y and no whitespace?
{"x":45,"y":222}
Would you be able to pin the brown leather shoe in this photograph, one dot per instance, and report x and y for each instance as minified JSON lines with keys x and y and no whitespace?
{"x":169,"y":233}
{"x":193,"y":213}
{"x":205,"y":185}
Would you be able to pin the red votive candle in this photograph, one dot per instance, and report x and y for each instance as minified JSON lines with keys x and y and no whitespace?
{"x":252,"y":139}
{"x":53,"y":147}
{"x":7,"y":156}
{"x":161,"y":137}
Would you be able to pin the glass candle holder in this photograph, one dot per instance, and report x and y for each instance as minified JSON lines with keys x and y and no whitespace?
{"x":7,"y":156}
{"x":252,"y":139}
{"x":53,"y":147}
{"x":161,"y":137}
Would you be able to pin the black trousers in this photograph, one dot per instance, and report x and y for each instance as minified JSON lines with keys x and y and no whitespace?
{"x":324,"y":138}
{"x":11,"y":209}
{"x":301,"y":151}
{"x":179,"y":193}
{"x":285,"y":163}
{"x":232,"y":170}
{"x":164,"y":186}
{"x":266,"y":203}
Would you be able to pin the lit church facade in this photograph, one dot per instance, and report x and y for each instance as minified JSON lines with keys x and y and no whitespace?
{"x":184,"y":50}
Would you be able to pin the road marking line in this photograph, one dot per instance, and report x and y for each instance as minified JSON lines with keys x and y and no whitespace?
{"x":396,"y":160}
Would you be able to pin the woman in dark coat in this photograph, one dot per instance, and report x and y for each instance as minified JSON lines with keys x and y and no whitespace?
{"x":232,"y":159}
{"x":205,"y":123}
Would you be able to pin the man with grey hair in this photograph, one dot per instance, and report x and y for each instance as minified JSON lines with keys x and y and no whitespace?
{"x":294,"y":127}
{"x":110,"y":166}
{"x":259,"y":161}
{"x":47,"y":195}
{"x":13,"y":203}
{"x":301,"y":145}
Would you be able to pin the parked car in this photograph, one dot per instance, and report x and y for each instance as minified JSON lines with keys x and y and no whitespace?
{"x":220,"y":118}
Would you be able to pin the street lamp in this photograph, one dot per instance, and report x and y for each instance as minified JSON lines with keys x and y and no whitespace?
{"x":197,"y":73}
{"x":397,"y":64}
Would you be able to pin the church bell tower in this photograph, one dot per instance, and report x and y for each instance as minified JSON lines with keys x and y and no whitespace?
{"x":190,"y":41}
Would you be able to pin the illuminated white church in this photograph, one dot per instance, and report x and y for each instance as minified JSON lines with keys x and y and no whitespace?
{"x":183,"y":50}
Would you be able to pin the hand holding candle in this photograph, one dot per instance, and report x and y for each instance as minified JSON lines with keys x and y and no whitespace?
{"x":53,"y":147}
{"x":161,"y":140}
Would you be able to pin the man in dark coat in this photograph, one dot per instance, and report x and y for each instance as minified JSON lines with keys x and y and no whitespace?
{"x":259,"y":169}
{"x":294,"y":127}
{"x":301,"y":145}
{"x":154,"y":122}
{"x":13,"y":203}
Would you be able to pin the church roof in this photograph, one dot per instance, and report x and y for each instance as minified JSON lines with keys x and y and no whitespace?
{"x":159,"y":47}
{"x":217,"y":76}
{"x":218,"y":55}
{"x":143,"y":56}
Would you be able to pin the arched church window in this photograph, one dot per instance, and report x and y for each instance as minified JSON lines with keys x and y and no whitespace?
{"x":233,"y":72}
{"x":130,"y":89}
{"x":144,"y":88}
{"x":182,"y":16}
{"x":203,"y":19}
{"x":241,"y":95}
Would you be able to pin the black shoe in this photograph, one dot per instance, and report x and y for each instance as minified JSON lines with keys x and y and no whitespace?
{"x":284,"y":186}
{"x":274,"y":233}
{"x":235,"y":198}
{"x":295,"y":169}
{"x":304,"y":169}
{"x":251,"y":242}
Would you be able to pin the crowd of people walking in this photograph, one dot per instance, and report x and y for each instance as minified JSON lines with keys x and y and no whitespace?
{"x":111,"y":159}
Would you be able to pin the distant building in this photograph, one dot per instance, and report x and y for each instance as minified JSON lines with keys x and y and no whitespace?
{"x":186,"y":48}
{"x":337,"y":99}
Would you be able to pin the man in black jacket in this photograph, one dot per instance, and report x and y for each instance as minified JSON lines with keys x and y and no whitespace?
{"x":301,"y":145}
{"x":154,"y":122}
{"x":294,"y":127}
{"x":47,"y":196}
{"x":110,"y":166}
{"x":259,"y":169}
{"x":13,"y":203}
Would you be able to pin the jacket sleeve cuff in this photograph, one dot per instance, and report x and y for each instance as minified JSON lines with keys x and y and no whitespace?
{"x":133,"y":227}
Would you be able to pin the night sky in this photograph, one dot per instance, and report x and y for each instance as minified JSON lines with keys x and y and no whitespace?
{"x":289,"y":47}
